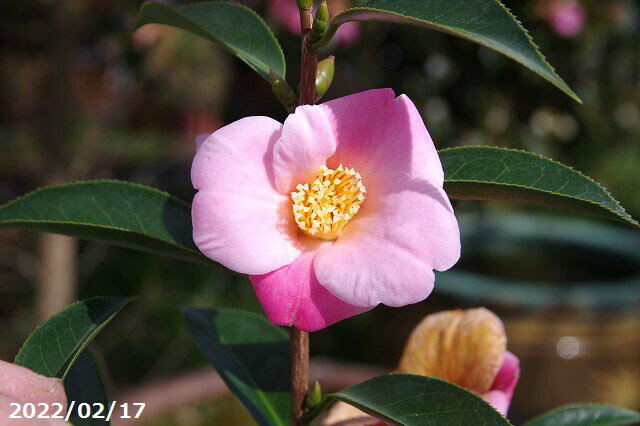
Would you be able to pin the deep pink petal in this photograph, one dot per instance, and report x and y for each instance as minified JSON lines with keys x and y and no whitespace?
{"x":498,"y":400}
{"x":239,"y":218}
{"x":387,"y":253}
{"x":23,"y":384}
{"x":292,"y":295}
{"x":376,"y":133}
{"x":305,"y":144}
{"x":504,"y":384}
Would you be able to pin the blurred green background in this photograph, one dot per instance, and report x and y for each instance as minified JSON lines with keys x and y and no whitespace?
{"x":83,"y":96}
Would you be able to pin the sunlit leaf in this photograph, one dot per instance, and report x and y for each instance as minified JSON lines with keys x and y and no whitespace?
{"x":405,"y":399}
{"x":498,"y":174}
{"x":114,"y":212}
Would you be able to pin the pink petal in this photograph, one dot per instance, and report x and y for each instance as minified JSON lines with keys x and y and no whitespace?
{"x":498,"y":400}
{"x":292,"y":295}
{"x":387,"y":253}
{"x":24,"y":385}
{"x":239,"y":219}
{"x":377,"y":133}
{"x":305,"y":144}
{"x":505,"y":382}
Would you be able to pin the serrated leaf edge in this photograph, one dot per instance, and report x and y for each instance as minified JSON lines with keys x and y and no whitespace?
{"x":89,"y":333}
{"x":7,"y":223}
{"x":91,"y":182}
{"x":623,"y":214}
{"x":342,"y":18}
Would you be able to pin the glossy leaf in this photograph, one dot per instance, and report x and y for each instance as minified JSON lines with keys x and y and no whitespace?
{"x":53,"y":347}
{"x":485,"y":22}
{"x":230,"y":25}
{"x":587,"y":415}
{"x":84,"y":384}
{"x":498,"y":174}
{"x":405,"y":399}
{"x":114,"y":212}
{"x":251,"y":356}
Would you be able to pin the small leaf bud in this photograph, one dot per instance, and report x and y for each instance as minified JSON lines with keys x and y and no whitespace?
{"x":324,"y":76}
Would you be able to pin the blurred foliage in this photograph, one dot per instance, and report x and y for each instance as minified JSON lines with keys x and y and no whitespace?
{"x":84,"y":97}
{"x":225,"y":411}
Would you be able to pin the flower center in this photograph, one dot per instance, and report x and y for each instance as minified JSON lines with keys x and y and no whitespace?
{"x":321,"y":209}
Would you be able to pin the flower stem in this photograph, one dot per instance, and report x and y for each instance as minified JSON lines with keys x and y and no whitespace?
{"x":308,"y":76}
{"x":299,"y":343}
{"x":309,"y":66}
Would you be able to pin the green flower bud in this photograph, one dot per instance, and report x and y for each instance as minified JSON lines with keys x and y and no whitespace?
{"x":324,"y":76}
{"x":320,"y":22}
{"x":305,"y":4}
{"x":314,"y":398}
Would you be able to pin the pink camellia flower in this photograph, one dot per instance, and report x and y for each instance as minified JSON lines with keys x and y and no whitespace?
{"x":566,"y":17}
{"x":467,"y":348}
{"x":21,"y":385}
{"x":287,"y":14}
{"x":331,"y":213}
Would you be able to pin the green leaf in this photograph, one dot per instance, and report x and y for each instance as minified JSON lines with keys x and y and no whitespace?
{"x":54,"y":346}
{"x":498,"y":174}
{"x":405,"y":399}
{"x":486,"y":22}
{"x":231,"y":26}
{"x":84,"y":384}
{"x":252,"y":357}
{"x":587,"y":415}
{"x":144,"y":218}
{"x":113,"y":212}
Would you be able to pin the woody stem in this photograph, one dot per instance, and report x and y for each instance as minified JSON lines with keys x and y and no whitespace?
{"x":309,"y":66}
{"x":299,"y":344}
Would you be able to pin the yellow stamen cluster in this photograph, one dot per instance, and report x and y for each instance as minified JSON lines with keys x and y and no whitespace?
{"x":321,"y":209}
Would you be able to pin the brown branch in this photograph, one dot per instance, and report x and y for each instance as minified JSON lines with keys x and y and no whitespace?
{"x":308,"y":75}
{"x":299,"y":343}
{"x":309,"y":61}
